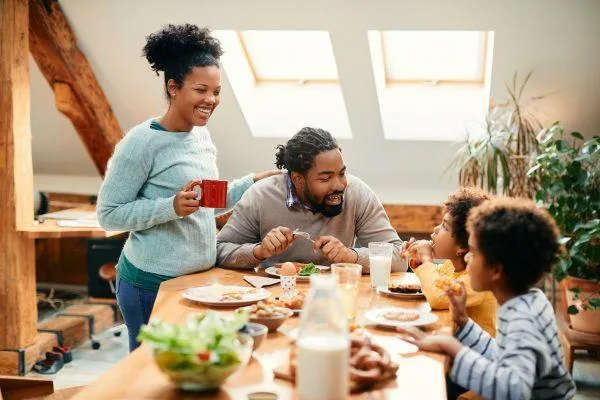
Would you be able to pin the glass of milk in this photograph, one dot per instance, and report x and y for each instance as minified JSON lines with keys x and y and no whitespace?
{"x":323,"y":344}
{"x":380,"y":263}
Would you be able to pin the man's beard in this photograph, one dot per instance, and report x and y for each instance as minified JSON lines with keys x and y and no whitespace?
{"x":324,"y":208}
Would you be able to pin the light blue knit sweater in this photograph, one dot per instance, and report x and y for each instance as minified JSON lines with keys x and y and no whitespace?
{"x":145,"y":172}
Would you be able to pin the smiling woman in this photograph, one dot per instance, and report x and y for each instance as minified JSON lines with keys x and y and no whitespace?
{"x":148,"y":185}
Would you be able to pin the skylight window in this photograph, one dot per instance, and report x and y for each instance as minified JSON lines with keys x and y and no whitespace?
{"x":457,"y":57}
{"x":431,"y":85}
{"x":284,"y":81}
{"x":289,"y":56}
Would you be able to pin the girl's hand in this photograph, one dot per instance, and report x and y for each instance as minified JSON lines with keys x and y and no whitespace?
{"x":405,"y":246}
{"x":419,"y":251}
{"x":458,"y":304}
{"x":187,"y":200}
{"x":435,"y":343}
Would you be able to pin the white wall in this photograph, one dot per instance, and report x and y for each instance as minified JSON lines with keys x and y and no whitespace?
{"x":557,"y":38}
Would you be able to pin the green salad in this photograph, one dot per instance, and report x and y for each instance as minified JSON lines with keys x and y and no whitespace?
{"x":309,"y":269}
{"x":206,"y":349}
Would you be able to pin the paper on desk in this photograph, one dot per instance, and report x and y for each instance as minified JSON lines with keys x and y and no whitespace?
{"x":70,"y":214}
{"x":78,"y":223}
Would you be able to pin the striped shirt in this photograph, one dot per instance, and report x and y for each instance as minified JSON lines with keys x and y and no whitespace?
{"x":525,"y":360}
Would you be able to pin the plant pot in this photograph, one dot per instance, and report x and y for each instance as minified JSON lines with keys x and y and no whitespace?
{"x":583,"y":321}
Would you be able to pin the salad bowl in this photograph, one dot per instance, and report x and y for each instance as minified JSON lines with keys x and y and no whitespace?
{"x":201,"y":354}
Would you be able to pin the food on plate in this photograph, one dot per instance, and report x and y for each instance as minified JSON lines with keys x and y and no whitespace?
{"x":369,"y":363}
{"x":405,"y":288}
{"x":295,"y":302}
{"x":446,"y":282}
{"x":400,"y":315}
{"x":236,"y":295}
{"x":263,"y":309}
{"x":204,"y":351}
{"x":309,"y":269}
{"x":300,"y":269}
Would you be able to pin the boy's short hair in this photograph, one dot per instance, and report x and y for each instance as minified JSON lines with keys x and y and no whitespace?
{"x":458,"y":206}
{"x":518,"y":235}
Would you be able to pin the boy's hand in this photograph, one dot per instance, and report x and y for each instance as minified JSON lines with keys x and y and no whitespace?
{"x":435,"y":343}
{"x":458,"y":304}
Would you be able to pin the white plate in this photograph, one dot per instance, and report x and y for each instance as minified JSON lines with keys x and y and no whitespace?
{"x":273,"y":272}
{"x":211,"y":295}
{"x":388,"y":292}
{"x":376,"y":316}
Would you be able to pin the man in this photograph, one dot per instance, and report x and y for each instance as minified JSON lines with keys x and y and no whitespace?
{"x":339,"y":211}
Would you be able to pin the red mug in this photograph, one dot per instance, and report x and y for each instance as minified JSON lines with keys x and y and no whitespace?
{"x":212,"y":192}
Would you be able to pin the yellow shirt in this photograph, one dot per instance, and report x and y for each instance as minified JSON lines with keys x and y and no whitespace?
{"x":481,"y":306}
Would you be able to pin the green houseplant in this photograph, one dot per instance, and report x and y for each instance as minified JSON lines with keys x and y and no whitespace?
{"x":499,"y":159}
{"x":567,"y":170}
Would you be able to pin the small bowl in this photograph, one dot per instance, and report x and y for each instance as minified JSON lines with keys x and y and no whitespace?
{"x":258,"y":332}
{"x":272,"y":323}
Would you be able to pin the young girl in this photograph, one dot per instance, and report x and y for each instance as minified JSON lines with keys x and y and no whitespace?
{"x":147,"y":189}
{"x":512,"y":244}
{"x":450,"y":242}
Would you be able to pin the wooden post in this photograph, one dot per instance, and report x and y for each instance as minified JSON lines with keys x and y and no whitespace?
{"x":18,"y":311}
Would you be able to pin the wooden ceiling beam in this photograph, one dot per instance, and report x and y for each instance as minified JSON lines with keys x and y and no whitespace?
{"x":77,"y":93}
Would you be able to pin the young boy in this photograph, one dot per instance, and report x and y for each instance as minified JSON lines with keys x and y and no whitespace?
{"x":511,"y":244}
{"x":449,"y":241}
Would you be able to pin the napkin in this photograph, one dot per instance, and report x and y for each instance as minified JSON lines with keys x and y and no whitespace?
{"x":260,"y":281}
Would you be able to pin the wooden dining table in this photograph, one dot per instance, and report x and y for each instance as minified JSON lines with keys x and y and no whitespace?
{"x":420,"y":374}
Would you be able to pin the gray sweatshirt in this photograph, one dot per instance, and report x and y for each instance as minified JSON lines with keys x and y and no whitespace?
{"x":263,"y":207}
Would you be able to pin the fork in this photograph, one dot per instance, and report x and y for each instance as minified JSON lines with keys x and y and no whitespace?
{"x":304,"y":235}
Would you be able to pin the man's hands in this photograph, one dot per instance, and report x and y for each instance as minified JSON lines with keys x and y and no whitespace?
{"x":276,"y":242}
{"x":334,"y":250}
{"x":281,"y":238}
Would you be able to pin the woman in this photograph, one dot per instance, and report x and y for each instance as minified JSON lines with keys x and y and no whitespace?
{"x":148,"y":185}
{"x":449,"y":241}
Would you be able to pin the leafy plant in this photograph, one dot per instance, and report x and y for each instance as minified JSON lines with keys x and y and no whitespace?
{"x":568,"y":173}
{"x":499,"y":159}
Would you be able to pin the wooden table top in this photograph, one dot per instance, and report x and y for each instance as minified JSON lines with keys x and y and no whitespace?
{"x":49,"y":229}
{"x":420,"y":375}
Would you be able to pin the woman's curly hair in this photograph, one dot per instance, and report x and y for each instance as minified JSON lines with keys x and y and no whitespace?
{"x":177,"y":49}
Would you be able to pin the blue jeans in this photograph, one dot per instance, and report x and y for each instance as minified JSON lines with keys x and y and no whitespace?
{"x":136,"y":305}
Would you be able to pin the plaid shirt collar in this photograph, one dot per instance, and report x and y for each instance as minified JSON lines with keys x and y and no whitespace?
{"x":292,"y":199}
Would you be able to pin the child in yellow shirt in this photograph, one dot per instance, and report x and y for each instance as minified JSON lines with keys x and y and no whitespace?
{"x":449,"y":241}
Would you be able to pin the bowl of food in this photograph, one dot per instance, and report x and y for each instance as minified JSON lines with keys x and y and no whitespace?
{"x":268,"y":315}
{"x":257,"y":332}
{"x":202,"y":353}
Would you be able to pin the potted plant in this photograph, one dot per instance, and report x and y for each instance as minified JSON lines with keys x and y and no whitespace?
{"x":499,"y":159}
{"x":567,"y":170}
